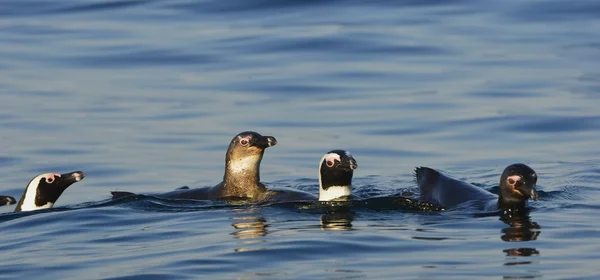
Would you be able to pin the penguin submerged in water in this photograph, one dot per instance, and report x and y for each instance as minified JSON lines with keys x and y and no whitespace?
{"x":7,"y":200}
{"x":517,"y":185}
{"x":45,"y":189}
{"x":336,"y":169}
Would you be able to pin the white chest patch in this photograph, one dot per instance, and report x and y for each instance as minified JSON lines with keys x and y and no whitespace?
{"x":334,"y":192}
{"x":244,"y":164}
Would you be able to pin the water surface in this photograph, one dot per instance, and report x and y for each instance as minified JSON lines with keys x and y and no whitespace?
{"x":145,"y":95}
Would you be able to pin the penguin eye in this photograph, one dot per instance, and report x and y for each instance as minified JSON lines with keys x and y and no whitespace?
{"x":330,"y":163}
{"x":244,"y":142}
{"x":49,"y":180}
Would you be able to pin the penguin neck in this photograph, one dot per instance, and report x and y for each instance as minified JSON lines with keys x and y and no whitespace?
{"x":334,"y":185}
{"x":242,"y":177}
{"x":506,"y":199}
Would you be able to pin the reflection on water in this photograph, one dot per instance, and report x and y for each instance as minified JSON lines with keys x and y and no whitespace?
{"x":524,"y":252}
{"x":521,"y":228}
{"x":337,"y":220}
{"x":249,"y":229}
{"x":514,"y":257}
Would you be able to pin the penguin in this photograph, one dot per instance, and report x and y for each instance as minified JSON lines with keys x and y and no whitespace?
{"x":241,"y":180}
{"x":517,"y":185}
{"x":336,"y":169}
{"x":335,"y":175}
{"x":45,"y":189}
{"x":7,"y":200}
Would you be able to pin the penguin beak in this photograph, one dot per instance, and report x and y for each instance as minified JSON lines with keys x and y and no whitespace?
{"x":72,"y":177}
{"x":264,"y":142}
{"x":529,"y":191}
{"x":348,"y":163}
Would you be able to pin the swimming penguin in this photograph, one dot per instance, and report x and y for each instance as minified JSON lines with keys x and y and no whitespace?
{"x":45,"y":189}
{"x":336,"y":169}
{"x":7,"y":200}
{"x":242,"y":173}
{"x":335,"y":175}
{"x":517,"y":185}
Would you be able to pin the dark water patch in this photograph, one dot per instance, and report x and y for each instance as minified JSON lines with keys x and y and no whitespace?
{"x":345,"y":46}
{"x":168,"y":140}
{"x":91,"y":170}
{"x":417,"y":3}
{"x":12,"y":8}
{"x":552,"y":124}
{"x":148,"y":202}
{"x":150,"y":276}
{"x":40,"y":93}
{"x":180,"y":116}
{"x":503,"y":94}
{"x":389,"y":152}
{"x":8,"y":160}
{"x":34,"y":126}
{"x":25,"y":30}
{"x":587,"y":85}
{"x":487,"y":121}
{"x":402,"y":131}
{"x":103,"y":6}
{"x":532,"y":123}
{"x":309,"y":124}
{"x":557,"y":11}
{"x":60,"y":152}
{"x":216,"y":6}
{"x":140,"y":58}
{"x":292,"y":91}
{"x":213,"y":265}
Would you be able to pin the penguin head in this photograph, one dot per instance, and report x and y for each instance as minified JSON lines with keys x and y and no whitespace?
{"x":7,"y":200}
{"x":246,"y":150}
{"x":45,"y":189}
{"x":335,"y":175}
{"x":517,"y":183}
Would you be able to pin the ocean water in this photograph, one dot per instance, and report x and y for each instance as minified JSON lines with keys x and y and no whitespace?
{"x":144,"y":96}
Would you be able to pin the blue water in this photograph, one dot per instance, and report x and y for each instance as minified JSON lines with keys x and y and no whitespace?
{"x":144,"y":96}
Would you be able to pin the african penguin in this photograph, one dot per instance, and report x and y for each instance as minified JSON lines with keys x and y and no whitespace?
{"x":242,"y":173}
{"x":336,"y":168}
{"x":517,"y":185}
{"x":335,"y":175}
{"x":45,"y":189}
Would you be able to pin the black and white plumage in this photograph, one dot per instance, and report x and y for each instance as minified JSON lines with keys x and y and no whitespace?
{"x":45,"y":189}
{"x":7,"y":200}
{"x":335,"y":175}
{"x":335,"y":180}
{"x":517,"y":185}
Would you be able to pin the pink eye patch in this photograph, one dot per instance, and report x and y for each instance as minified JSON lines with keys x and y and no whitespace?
{"x":51,"y":178}
{"x":331,"y":158}
{"x":512,"y":180}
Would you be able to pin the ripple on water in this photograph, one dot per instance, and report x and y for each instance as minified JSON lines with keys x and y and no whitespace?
{"x":145,"y":95}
